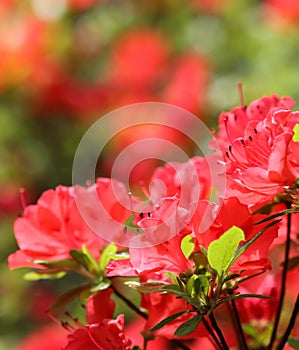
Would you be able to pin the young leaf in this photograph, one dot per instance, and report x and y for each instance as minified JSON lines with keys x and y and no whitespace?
{"x":197,"y":284}
{"x":222,"y":250}
{"x":146,"y":287}
{"x":45,"y":275}
{"x":106,"y":255}
{"x":64,"y":264}
{"x":101,"y":286}
{"x":92,"y":264}
{"x":80,"y":257}
{"x":167,"y":320}
{"x":187,"y":246}
{"x":173,"y":289}
{"x":296,"y":133}
{"x":189,"y":326}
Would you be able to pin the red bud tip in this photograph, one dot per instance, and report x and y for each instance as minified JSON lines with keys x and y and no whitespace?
{"x":240,"y":89}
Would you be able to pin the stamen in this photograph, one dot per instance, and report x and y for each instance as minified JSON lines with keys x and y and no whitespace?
{"x":131,"y":206}
{"x":144,"y":189}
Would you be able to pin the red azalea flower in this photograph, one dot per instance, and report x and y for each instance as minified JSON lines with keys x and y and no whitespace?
{"x":138,"y":58}
{"x":233,"y":123}
{"x":51,"y":228}
{"x":101,"y":332}
{"x":190,"y":181}
{"x":283,"y":9}
{"x":261,"y":155}
{"x":187,"y":85}
{"x":106,"y":207}
{"x":153,"y":250}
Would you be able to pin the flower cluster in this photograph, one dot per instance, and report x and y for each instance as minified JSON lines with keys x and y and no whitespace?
{"x":209,"y":275}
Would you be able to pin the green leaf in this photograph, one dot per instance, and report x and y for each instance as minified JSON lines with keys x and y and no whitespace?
{"x":296,"y":133}
{"x":173,"y":289}
{"x":106,"y":255}
{"x":92,"y":264}
{"x":187,"y":246}
{"x":197,"y":284}
{"x":221,"y":251}
{"x":146,"y":287}
{"x":273,"y":216}
{"x":241,"y":296}
{"x":167,"y":320}
{"x":101,"y":286}
{"x":84,"y":258}
{"x":189,"y":326}
{"x":294,"y":342}
{"x":241,"y":249}
{"x":64,"y":264}
{"x":69,"y":296}
{"x":44,"y":275}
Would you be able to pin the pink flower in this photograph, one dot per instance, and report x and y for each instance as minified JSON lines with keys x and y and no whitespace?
{"x":153,"y":250}
{"x":106,"y":207}
{"x":50,"y":229}
{"x":101,"y":332}
{"x":259,"y":151}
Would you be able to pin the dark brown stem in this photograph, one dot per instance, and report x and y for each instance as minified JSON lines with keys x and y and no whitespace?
{"x":219,"y":332}
{"x":283,"y":281}
{"x":286,"y":335}
{"x":214,"y":339}
{"x":129,"y":303}
{"x":237,"y":325}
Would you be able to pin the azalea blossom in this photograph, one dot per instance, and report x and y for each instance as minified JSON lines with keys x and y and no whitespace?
{"x":260,"y":153}
{"x":101,"y":332}
{"x":49,"y":229}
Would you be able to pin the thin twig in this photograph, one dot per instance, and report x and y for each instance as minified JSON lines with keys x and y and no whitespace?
{"x":237,"y":325}
{"x":129,"y":303}
{"x":283,"y":281}
{"x":285,"y":337}
{"x":214,"y":339}
{"x":219,"y":332}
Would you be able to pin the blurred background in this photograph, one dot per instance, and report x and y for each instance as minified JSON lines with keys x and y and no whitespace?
{"x":65,"y":63}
